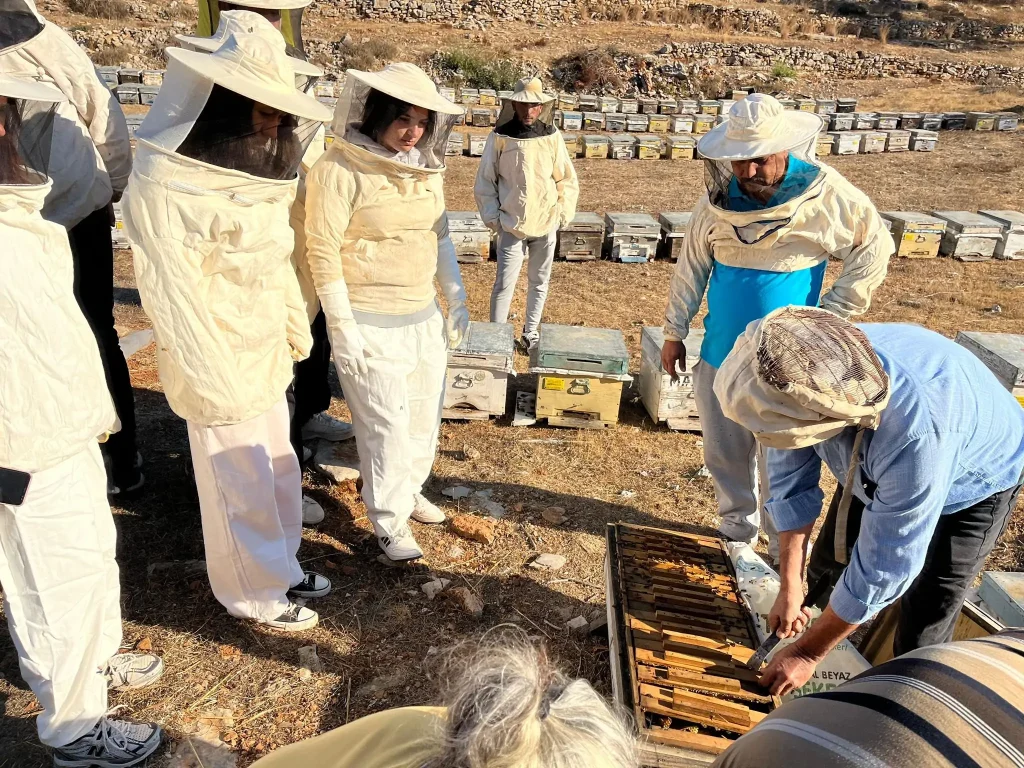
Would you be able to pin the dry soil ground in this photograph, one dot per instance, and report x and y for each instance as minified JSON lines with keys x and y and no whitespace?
{"x":379,"y":633}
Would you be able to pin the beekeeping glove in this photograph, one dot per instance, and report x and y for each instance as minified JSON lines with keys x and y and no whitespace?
{"x":450,"y":279}
{"x":347,"y":343}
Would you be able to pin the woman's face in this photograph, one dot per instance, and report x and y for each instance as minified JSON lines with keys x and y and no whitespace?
{"x":266,"y":121}
{"x":3,"y":116}
{"x":406,"y":131}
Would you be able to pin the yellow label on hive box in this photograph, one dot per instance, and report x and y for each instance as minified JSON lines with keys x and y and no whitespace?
{"x":1020,"y":399}
{"x":549,"y":382}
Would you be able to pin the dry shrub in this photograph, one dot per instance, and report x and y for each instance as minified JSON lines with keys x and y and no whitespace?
{"x":112,"y":56}
{"x":634,"y":13}
{"x":100,"y":9}
{"x":540,"y":42}
{"x":585,"y":69}
{"x":832,"y":27}
{"x":787,"y":26}
{"x":621,"y":14}
{"x":370,"y":55}
{"x":725,"y":23}
{"x":709,"y":86}
{"x":949,"y":30}
{"x":883,"y":33}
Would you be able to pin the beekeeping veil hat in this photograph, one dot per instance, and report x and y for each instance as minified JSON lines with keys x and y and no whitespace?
{"x":367,"y":92}
{"x":757,"y":126}
{"x":19,"y":22}
{"x":232,"y":22}
{"x":270,"y":5}
{"x":235,"y":108}
{"x":529,"y":90}
{"x":26,"y":118}
{"x":800,"y":376}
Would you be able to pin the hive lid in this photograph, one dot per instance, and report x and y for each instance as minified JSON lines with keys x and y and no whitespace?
{"x":969,"y":222}
{"x":1002,"y":353}
{"x":585,"y":220}
{"x":574,"y":348}
{"x":913,"y":217}
{"x":487,"y":339}
{"x":462,"y":221}
{"x":1012,"y":219}
{"x":632,"y":222}
{"x":675,"y":222}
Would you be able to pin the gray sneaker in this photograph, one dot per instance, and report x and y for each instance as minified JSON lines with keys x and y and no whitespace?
{"x":110,"y":744}
{"x":127,"y":671}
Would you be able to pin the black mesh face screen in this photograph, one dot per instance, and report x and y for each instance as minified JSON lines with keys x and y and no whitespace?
{"x":25,"y":145}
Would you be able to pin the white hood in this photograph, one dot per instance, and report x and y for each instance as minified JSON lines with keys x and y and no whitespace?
{"x":20,"y":22}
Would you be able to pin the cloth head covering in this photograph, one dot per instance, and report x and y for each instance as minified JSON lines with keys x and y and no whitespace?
{"x":28,"y":130}
{"x":19,"y":22}
{"x":758,"y":126}
{"x":800,"y":376}
{"x":529,"y":90}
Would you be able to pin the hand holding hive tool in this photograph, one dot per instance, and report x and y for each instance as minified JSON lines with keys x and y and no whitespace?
{"x":816,"y":590}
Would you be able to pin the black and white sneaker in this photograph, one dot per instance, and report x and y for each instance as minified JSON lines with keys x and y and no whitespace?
{"x":295,"y":618}
{"x":110,"y":744}
{"x":314,"y":585}
{"x":400,"y":547}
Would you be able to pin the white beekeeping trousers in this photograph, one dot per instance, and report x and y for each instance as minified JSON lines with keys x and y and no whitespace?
{"x":396,"y":412}
{"x":511,"y":253}
{"x":62,"y":594}
{"x":250,"y":498}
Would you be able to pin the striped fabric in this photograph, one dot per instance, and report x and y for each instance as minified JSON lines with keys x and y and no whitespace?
{"x":957,"y":704}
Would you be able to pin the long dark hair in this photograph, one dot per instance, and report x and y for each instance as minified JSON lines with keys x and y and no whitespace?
{"x":382,"y":110}
{"x":12,"y":169}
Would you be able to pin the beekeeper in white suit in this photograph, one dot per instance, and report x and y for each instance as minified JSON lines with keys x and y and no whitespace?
{"x":207,"y":212}
{"x":526,"y":190}
{"x":57,"y":536}
{"x":376,"y":237}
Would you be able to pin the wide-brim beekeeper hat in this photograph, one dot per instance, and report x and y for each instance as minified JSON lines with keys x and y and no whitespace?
{"x":530,"y":90}
{"x":800,"y":376}
{"x":758,"y":126}
{"x":407,"y":82}
{"x":270,"y":5}
{"x":255,"y":65}
{"x":232,"y":22}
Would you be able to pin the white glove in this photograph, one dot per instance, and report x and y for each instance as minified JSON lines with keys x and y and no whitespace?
{"x":458,"y":324}
{"x":347,"y":343}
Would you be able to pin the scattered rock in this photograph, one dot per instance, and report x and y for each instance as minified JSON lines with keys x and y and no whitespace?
{"x":591,"y":544}
{"x":470,"y":453}
{"x":492,"y":508}
{"x":338,"y":462}
{"x":626,"y":494}
{"x":548,"y":562}
{"x":565,"y":613}
{"x":704,"y":472}
{"x":466,"y":600}
{"x":456,"y":552}
{"x":554,"y":515}
{"x":578,"y":625}
{"x":382,"y":684}
{"x":432,"y":588}
{"x":457,"y":492}
{"x":304,"y":674}
{"x":474,"y":528}
{"x":485,"y":493}
{"x":598,"y":626}
{"x":995,"y":309}
{"x":145,"y":645}
{"x":347,"y":40}
{"x":308,"y":659}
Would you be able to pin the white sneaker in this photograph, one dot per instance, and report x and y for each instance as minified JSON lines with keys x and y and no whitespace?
{"x":312,"y":512}
{"x":295,"y":618}
{"x":401,"y":546}
{"x":325,"y":427}
{"x":424,"y":511}
{"x":110,"y":744}
{"x":128,"y":671}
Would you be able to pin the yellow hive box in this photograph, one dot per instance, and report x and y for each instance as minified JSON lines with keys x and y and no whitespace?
{"x":578,"y":398}
{"x":659,"y":123}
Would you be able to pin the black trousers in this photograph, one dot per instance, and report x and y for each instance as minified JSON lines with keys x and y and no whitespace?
{"x":929,"y":609}
{"x":310,"y":392}
{"x":93,"y":254}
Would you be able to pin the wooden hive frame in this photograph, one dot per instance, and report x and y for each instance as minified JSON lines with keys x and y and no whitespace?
{"x":681,"y":637}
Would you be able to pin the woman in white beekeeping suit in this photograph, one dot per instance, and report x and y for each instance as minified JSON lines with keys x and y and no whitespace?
{"x":57,"y":535}
{"x":376,"y":236}
{"x":207,"y":212}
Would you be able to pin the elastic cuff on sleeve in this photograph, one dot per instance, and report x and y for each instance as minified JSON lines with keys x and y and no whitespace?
{"x":849,"y":608}
{"x":671,"y":334}
{"x":796,"y":512}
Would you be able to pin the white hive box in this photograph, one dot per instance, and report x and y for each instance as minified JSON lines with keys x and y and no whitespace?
{"x":470,"y":236}
{"x":480,"y":117}
{"x":117,"y":233}
{"x":681,"y":124}
{"x":478,"y":372}
{"x":648,"y":105}
{"x":872,"y":142}
{"x":932,"y":121}
{"x":593,"y":121}
{"x":1002,"y":353}
{"x":1011,"y":242}
{"x":582,"y":238}
{"x":1006,"y":121}
{"x":922,"y":140}
{"x":456,"y":143}
{"x":888,"y":121}
{"x":488,"y":97}
{"x":865,"y":121}
{"x":572,"y":121}
{"x":897,"y":141}
{"x":917,"y":235}
{"x":629,"y":106}
{"x":477,"y":142}
{"x":615,"y":123}
{"x":148,"y":94}
{"x":673,"y":231}
{"x":631,"y":237}
{"x":838,"y":122}
{"x":668,"y":106}
{"x":968,"y":236}
{"x":589,"y":103}
{"x":623,"y":147}
{"x":609,"y":104}
{"x":109,"y":76}
{"x":1003,"y":593}
{"x":469,"y":95}
{"x":153,"y":77}
{"x":637,"y":123}
{"x":128,"y":93}
{"x":669,"y":402}
{"x":845,"y":143}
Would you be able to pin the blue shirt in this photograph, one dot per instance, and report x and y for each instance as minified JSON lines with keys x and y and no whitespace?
{"x":738,"y":295}
{"x":950,"y":437}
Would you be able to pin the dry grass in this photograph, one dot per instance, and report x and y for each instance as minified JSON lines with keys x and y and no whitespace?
{"x":111,"y":56}
{"x":371,"y":55}
{"x":100,"y":9}
{"x":883,"y":33}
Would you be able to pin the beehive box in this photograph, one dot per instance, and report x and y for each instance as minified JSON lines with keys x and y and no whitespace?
{"x":872,"y":142}
{"x":681,"y":124}
{"x":931,"y":121}
{"x":460,"y":119}
{"x":806,"y":105}
{"x":1003,"y":593}
{"x":593,"y":121}
{"x":477,"y":142}
{"x":659,"y":123}
{"x":888,"y":121}
{"x":917,"y":235}
{"x":823,"y":145}
{"x":1002,"y":353}
{"x":709,"y":107}
{"x":646,"y":105}
{"x":968,"y":236}
{"x":128,"y":94}
{"x":910,"y":120}
{"x":648,"y":147}
{"x":680,"y":147}
{"x":133,"y":122}
{"x":447,"y":93}
{"x":109,"y":75}
{"x":148,"y":94}
{"x":897,"y":141}
{"x":456,"y":143}
{"x":117,"y":234}
{"x":1006,"y":121}
{"x":738,"y":93}
{"x":572,"y":121}
{"x":865,"y":121}
{"x":480,"y":117}
{"x":609,"y":104}
{"x":922,"y":140}
{"x":504,"y":96}
{"x":668,"y":106}
{"x":845,"y":143}
{"x":703,"y":123}
{"x":825,"y":106}
{"x":788,"y":103}
{"x":582,"y":238}
{"x":567,"y":101}
{"x":679,"y":639}
{"x":596,"y":147}
{"x":688,"y":106}
{"x":478,"y":371}
{"x":469,"y":95}
{"x":615,"y":123}
{"x":631,"y":237}
{"x":846,"y":106}
{"x":130,"y":76}
{"x":623,"y":147}
{"x":981,"y":121}
{"x":839,"y":122}
{"x":668,"y":402}
{"x":573,"y":144}
{"x":674,"y":225}
{"x":324,"y":89}
{"x":580,"y":375}
{"x":154,"y":77}
{"x":637,"y":123}
{"x":488,"y":97}
{"x":954,"y":121}
{"x":724,"y":106}
{"x":556,"y":118}
{"x":1011,"y":241}
{"x":588,"y":102}
{"x":470,"y":236}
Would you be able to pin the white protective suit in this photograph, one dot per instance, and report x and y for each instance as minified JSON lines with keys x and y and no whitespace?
{"x":213,"y":251}
{"x":92,"y":156}
{"x":57,"y":568}
{"x":376,"y":237}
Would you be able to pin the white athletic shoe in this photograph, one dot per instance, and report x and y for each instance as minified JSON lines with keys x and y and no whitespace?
{"x":110,"y":744}
{"x":295,"y":618}
{"x":424,"y":511}
{"x":312,"y":512}
{"x":401,"y":546}
{"x":127,"y":671}
{"x":314,"y":585}
{"x":325,"y":427}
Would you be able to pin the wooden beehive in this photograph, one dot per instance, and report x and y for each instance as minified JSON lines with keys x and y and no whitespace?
{"x":572,"y":121}
{"x":648,"y":147}
{"x":710,"y":107}
{"x":681,"y":124}
{"x":469,"y":95}
{"x":680,"y":147}
{"x":478,"y":371}
{"x":981,"y":121}
{"x":470,"y":236}
{"x":897,"y":141}
{"x":623,"y":147}
{"x":969,"y":236}
{"x":673,"y":233}
{"x":589,"y":102}
{"x":679,"y":639}
{"x":703,"y":123}
{"x":917,"y":235}
{"x":646,"y":105}
{"x":456,"y":143}
{"x":1006,"y":121}
{"x":637,"y":123}
{"x":922,"y":140}
{"x":688,"y":106}
{"x":954,"y":121}
{"x":573,"y":144}
{"x":609,"y":104}
{"x":477,"y":142}
{"x":910,"y":120}
{"x":582,"y":238}
{"x":1011,"y":242}
{"x":888,"y":121}
{"x":668,"y":106}
{"x":669,"y":402}
{"x":567,"y":101}
{"x":872,"y":142}
{"x":488,"y":97}
{"x":615,"y":123}
{"x":865,"y":121}
{"x":1002,"y":353}
{"x":593,"y":121}
{"x":596,"y":146}
{"x":659,"y":123}
{"x":845,"y":143}
{"x":825,"y":106}
{"x":838,"y":122}
{"x":932,"y":121}
{"x":631,"y":237}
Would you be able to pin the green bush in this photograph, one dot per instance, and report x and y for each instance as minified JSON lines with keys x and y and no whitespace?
{"x":782,"y":69}
{"x":477,"y":71}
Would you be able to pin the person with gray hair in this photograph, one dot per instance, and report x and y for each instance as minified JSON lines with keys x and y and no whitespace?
{"x":928,"y":448}
{"x":505,"y":706}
